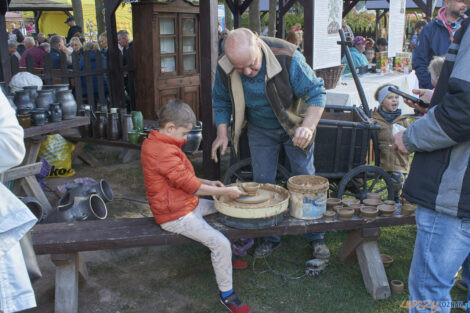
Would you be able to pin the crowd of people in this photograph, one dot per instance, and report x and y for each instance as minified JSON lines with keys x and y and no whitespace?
{"x":74,"y":44}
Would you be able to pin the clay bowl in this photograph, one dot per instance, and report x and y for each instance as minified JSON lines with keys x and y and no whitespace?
{"x":372,"y":202}
{"x":386,"y":260}
{"x":389,"y":202}
{"x":386,"y":210}
{"x":374,"y":195}
{"x":337,"y":208}
{"x":357,"y":208}
{"x":369,"y":212}
{"x":407,"y":209}
{"x":251,"y":188}
{"x":332,"y":202}
{"x":397,"y":286}
{"x":329,"y":215}
{"x":349,"y":201}
{"x":345,"y":213}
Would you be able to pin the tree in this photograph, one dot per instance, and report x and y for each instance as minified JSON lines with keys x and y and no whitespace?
{"x":228,"y":18}
{"x":255,"y":24}
{"x":99,"y":11}
{"x":272,"y":18}
{"x":78,"y":12}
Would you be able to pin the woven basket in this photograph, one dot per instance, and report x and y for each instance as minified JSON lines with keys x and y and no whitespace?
{"x":331,"y":75}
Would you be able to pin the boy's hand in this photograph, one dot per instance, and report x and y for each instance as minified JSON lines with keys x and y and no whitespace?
{"x":234,"y":192}
{"x":216,"y":183}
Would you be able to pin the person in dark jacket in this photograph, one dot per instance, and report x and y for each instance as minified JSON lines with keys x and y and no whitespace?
{"x":439,"y":180}
{"x":435,"y":39}
{"x":57,"y":46}
{"x":94,"y":52}
{"x":74,"y":28}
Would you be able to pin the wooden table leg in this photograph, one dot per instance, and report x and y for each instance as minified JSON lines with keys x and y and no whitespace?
{"x":363,"y":244}
{"x":82,"y":154}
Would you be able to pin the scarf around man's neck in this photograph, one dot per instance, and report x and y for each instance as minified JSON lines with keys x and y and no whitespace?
{"x":441,"y":15}
{"x":389,"y":116}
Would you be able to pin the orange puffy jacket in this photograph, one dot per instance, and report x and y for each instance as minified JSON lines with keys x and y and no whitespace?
{"x":169,"y":178}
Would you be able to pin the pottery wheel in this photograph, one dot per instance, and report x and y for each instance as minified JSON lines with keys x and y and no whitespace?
{"x":261,"y":196}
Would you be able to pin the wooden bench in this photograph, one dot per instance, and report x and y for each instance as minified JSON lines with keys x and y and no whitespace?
{"x":64,"y":241}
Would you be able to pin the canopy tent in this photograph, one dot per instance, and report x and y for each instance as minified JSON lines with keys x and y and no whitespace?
{"x":384,"y":4}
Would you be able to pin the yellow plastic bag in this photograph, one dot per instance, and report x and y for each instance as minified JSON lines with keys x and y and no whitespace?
{"x":58,"y":153}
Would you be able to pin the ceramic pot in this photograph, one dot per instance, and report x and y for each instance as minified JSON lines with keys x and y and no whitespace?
{"x":23,"y":101}
{"x":45,"y":98}
{"x":194,"y":139}
{"x":12,"y":102}
{"x":407,"y":209}
{"x":369,"y":212}
{"x":345,"y":214}
{"x":52,"y":89}
{"x":397,"y":286}
{"x":55,"y":112}
{"x":113,"y":110}
{"x":138,"y":121}
{"x":350,"y":201}
{"x":372,"y":202}
{"x":386,"y":210}
{"x":357,"y":208}
{"x":24,"y":120}
{"x":102,"y":189}
{"x":33,"y":92}
{"x":113,"y":126}
{"x":71,"y":209}
{"x":35,"y":207}
{"x":39,"y":117}
{"x":329,"y":215}
{"x":67,"y":104}
{"x":133,"y":137}
{"x":386,"y":260}
{"x":86,"y":130}
{"x":374,"y":195}
{"x":127,"y":126}
{"x":99,"y":128}
{"x":389,"y":202}
{"x":331,"y":203}
{"x":251,"y":188}
{"x":336,"y":208}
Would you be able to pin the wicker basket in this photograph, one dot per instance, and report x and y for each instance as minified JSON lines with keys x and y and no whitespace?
{"x":331,"y":75}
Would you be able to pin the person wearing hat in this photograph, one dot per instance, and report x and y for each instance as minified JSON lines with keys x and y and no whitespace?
{"x":357,"y":55}
{"x":74,"y":28}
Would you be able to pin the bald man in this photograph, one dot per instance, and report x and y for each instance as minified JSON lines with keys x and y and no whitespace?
{"x":270,"y":86}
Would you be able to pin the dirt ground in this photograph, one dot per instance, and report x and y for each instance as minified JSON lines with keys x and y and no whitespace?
{"x":125,"y":280}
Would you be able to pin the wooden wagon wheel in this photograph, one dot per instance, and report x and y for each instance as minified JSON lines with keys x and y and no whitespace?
{"x":364,"y":179}
{"x":242,"y":171}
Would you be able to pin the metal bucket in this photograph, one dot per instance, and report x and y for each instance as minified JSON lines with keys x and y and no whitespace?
{"x":308,"y":195}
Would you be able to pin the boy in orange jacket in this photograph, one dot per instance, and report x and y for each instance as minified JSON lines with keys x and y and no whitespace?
{"x":173,"y":189}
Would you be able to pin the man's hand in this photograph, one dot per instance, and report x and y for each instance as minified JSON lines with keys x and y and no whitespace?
{"x":424,"y":94}
{"x":221,"y":141}
{"x":303,"y":136}
{"x":398,"y":143}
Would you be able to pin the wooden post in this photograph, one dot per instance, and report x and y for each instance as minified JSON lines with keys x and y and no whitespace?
{"x":237,"y":15}
{"x":373,"y":272}
{"x":308,"y":31}
{"x":116,"y":81}
{"x":208,"y":38}
{"x":66,"y":283}
{"x":347,"y":252}
{"x":4,"y":55}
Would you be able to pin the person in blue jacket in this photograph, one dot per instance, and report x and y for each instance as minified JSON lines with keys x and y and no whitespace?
{"x":357,"y":53}
{"x":436,"y":37}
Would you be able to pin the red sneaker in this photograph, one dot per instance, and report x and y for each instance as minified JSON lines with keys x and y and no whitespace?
{"x":234,"y":305}
{"x":239,"y":264}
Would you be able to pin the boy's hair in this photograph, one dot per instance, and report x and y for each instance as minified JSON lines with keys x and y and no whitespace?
{"x":436,"y":64}
{"x":376,"y":95}
{"x":176,"y":112}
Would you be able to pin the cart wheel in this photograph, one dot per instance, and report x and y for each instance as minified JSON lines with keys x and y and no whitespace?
{"x":364,"y":179}
{"x":242,"y":171}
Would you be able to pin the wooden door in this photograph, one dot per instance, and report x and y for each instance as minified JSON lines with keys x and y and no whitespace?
{"x":166,"y":95}
{"x":190,"y":95}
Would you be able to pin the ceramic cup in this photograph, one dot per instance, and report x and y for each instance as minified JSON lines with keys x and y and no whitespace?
{"x":24,"y":120}
{"x":397,"y":286}
{"x":133,"y":137}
